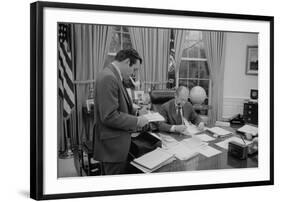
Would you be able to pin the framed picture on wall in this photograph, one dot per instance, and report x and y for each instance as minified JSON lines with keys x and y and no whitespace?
{"x":62,"y":42}
{"x":254,"y":94}
{"x":252,"y":61}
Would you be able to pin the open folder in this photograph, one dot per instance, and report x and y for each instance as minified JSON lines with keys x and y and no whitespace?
{"x":153,"y":160}
{"x":219,"y":131}
{"x":249,"y":129}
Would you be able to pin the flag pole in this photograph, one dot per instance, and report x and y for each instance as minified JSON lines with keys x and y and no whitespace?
{"x":66,"y":88}
{"x":68,"y":152}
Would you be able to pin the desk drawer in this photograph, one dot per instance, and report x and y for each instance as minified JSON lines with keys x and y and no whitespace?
{"x":251,"y":119}
{"x":249,"y":112}
{"x":248,"y":119}
{"x":248,"y":106}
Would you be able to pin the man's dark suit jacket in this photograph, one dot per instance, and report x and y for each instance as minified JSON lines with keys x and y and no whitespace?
{"x":168,"y":110}
{"x":113,"y":117}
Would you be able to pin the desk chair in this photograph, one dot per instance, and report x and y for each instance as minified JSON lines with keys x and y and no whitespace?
{"x":93,"y":167}
{"x":159,"y":97}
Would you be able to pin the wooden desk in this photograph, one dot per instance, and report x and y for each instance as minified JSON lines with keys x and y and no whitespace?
{"x":220,"y":161}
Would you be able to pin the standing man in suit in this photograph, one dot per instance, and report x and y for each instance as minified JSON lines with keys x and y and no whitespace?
{"x":178,"y":112}
{"x":114,"y":115}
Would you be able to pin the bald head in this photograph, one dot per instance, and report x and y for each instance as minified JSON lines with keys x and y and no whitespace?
{"x":181,"y":96}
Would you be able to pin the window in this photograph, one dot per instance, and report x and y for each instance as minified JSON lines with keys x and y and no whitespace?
{"x":120,"y":40}
{"x":194,"y":69}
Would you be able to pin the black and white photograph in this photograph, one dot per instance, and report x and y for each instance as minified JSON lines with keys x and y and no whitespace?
{"x":204,"y":121}
{"x":136,"y":100}
{"x":252,"y":63}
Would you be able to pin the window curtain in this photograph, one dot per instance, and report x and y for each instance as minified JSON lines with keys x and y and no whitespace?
{"x":91,"y":48}
{"x":179,"y":43}
{"x":214,"y":43}
{"x":153,"y":46}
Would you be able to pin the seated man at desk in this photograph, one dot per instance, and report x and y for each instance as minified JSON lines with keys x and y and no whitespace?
{"x":178,"y":112}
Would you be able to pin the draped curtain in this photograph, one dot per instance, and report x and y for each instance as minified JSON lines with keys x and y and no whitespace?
{"x":91,"y":48}
{"x":214,"y":43}
{"x":153,"y":46}
{"x":179,"y":43}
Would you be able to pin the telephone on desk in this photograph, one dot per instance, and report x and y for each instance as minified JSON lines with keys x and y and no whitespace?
{"x":238,"y":119}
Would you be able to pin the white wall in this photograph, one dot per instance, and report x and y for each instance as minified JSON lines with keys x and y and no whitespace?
{"x":237,"y":84}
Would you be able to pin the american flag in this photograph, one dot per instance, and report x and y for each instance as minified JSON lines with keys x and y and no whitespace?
{"x":66,"y":87}
{"x":172,"y":62}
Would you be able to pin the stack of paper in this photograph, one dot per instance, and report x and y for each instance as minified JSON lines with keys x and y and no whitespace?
{"x":201,"y":147}
{"x":191,"y":130}
{"x":198,"y":146}
{"x":219,"y":131}
{"x":208,"y":151}
{"x":222,"y":123}
{"x":194,"y":143}
{"x":205,"y":138}
{"x":249,"y":129}
{"x":168,"y":141}
{"x":154,"y":116}
{"x":153,"y":160}
{"x":182,"y":152}
{"x":224,"y":144}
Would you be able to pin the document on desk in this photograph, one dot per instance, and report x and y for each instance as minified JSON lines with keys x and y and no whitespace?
{"x":194,"y":143}
{"x":224,"y":144}
{"x":168,"y":141}
{"x":219,"y":131}
{"x":249,"y":129}
{"x":189,"y":148}
{"x":182,"y":152}
{"x":191,"y":129}
{"x":205,"y":137}
{"x":154,"y":116}
{"x":208,"y":151}
{"x":146,"y":170}
{"x":198,"y":146}
{"x":154,"y":159}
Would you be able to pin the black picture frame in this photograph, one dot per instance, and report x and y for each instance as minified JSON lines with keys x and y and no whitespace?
{"x":37,"y":98}
{"x":252,"y":60}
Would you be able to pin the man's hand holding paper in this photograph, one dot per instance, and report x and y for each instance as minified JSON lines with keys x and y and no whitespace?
{"x":192,"y":129}
{"x":143,"y":111}
{"x":201,"y":126}
{"x":142,"y":121}
{"x":179,"y":128}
